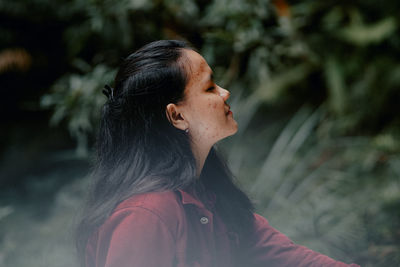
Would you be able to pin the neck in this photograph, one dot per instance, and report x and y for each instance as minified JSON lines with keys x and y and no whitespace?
{"x":200,"y":153}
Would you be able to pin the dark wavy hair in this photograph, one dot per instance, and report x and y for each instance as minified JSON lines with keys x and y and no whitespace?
{"x":139,"y":150}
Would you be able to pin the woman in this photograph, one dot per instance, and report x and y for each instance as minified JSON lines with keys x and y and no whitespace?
{"x":161,"y":195}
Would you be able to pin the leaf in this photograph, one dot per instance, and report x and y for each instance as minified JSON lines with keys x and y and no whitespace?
{"x":336,"y":86}
{"x":271,"y":88}
{"x":360,"y":34}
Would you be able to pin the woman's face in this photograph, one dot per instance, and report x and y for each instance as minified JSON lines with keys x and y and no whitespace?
{"x":204,"y":106}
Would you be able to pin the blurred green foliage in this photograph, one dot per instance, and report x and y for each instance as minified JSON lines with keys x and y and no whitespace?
{"x":341,"y":53}
{"x":330,"y":68}
{"x":75,"y":98}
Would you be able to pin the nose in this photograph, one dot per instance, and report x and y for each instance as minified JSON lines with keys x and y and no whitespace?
{"x":225,"y":94}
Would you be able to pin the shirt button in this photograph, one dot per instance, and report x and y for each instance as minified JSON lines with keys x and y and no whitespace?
{"x":204,"y":220}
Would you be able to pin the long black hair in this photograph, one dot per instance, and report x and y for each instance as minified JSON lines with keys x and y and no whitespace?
{"x":139,"y":150}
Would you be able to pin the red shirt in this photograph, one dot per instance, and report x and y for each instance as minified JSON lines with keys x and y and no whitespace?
{"x":174,"y":229}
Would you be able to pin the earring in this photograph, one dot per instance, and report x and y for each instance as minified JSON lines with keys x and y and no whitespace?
{"x":186,"y":130}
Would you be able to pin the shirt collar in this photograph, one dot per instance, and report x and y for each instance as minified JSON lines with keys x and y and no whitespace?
{"x":189,"y":198}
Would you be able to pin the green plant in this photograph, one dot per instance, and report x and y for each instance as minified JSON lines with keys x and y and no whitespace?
{"x":335,"y":170}
{"x":333,"y":194}
{"x":77,"y":99}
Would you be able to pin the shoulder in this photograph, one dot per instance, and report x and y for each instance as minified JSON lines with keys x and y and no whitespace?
{"x":158,"y":202}
{"x":165,"y":207}
{"x":138,"y":225}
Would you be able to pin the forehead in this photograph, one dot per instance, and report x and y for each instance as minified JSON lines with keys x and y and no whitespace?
{"x":198,"y":70}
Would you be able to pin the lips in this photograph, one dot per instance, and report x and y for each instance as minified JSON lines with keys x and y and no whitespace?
{"x":228,"y":111}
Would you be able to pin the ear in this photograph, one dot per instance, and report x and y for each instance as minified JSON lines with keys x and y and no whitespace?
{"x":176,"y":117}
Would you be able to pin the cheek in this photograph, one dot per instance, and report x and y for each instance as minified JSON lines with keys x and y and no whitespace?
{"x":208,"y":106}
{"x":208,"y":115}
{"x":211,"y":105}
{"x":214,"y":123}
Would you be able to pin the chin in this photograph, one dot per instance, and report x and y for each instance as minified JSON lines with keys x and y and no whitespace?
{"x":234,"y":129}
